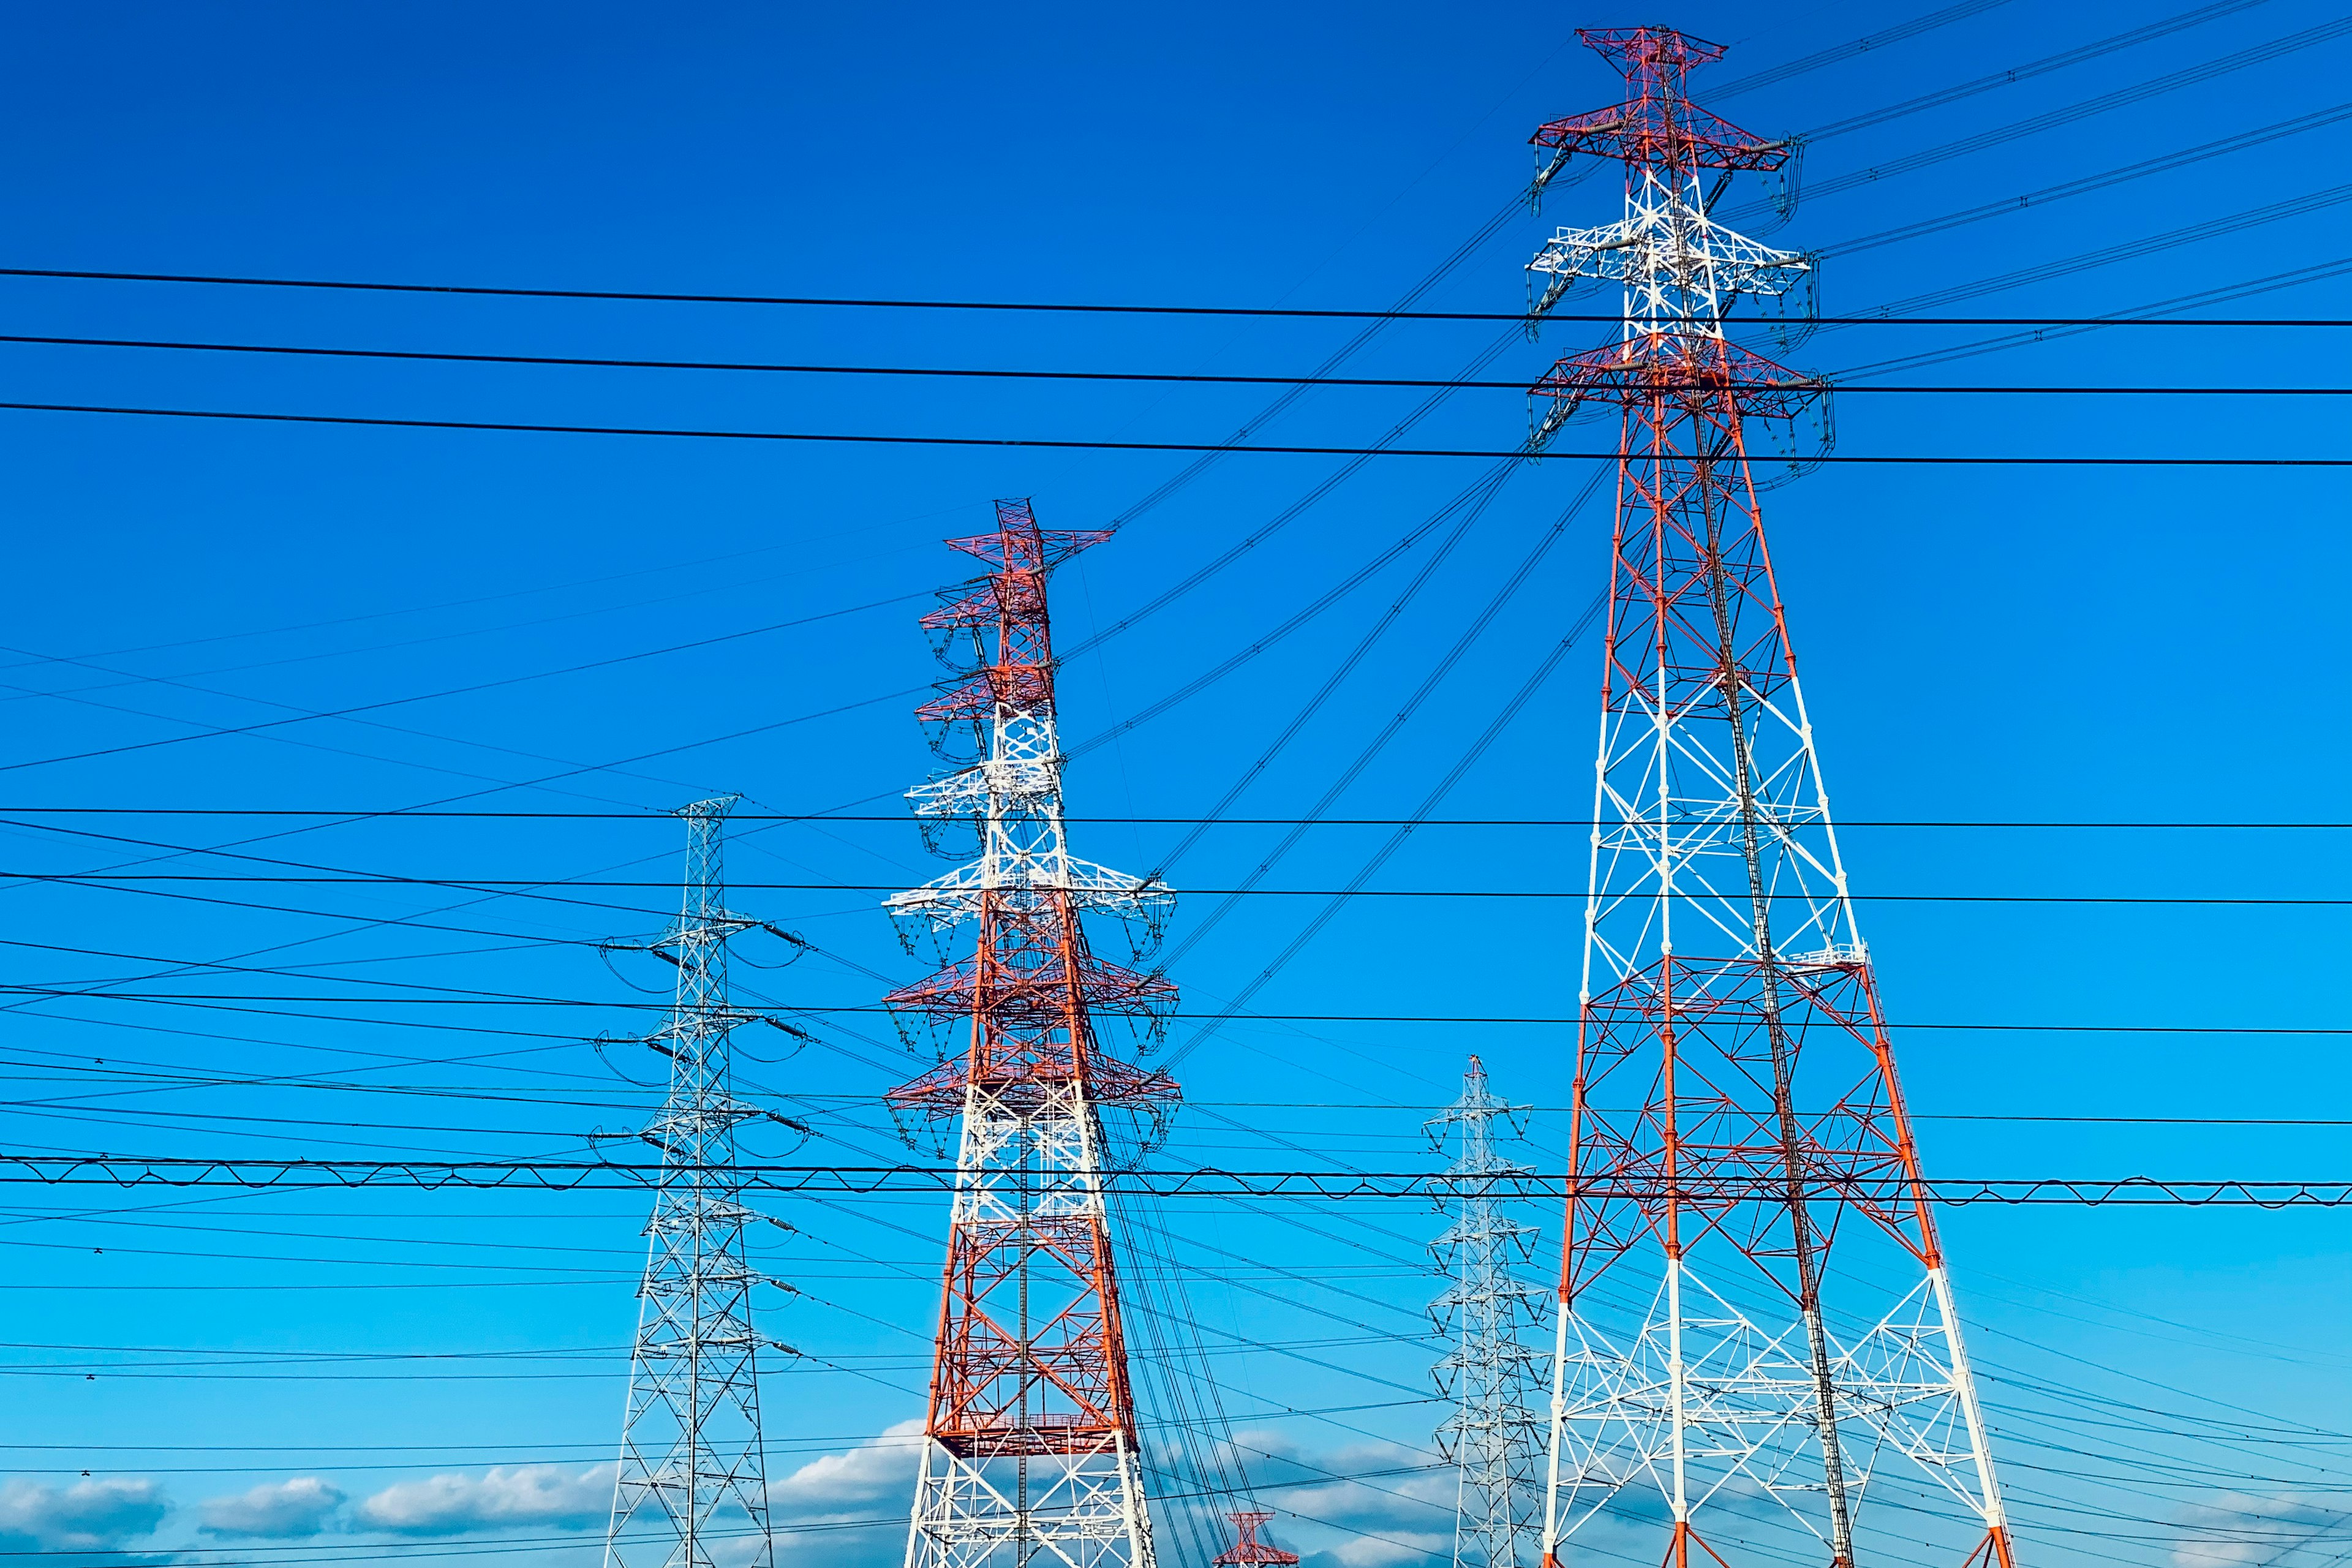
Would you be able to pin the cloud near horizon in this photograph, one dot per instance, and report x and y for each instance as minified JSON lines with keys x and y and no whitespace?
{"x":1401,"y":1511}
{"x":502,"y":1498}
{"x":2236,"y":1529}
{"x":851,"y":1484}
{"x":274,"y":1511}
{"x":87,"y":1516}
{"x":814,"y":1508}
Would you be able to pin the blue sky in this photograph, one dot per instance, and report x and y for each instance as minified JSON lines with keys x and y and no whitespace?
{"x":208,"y":1378}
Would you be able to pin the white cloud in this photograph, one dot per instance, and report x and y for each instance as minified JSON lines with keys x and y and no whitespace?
{"x":875,"y":1476}
{"x":1401,"y":1511}
{"x":275,"y":1510}
{"x":873,"y":1480}
{"x":501,"y":1497}
{"x":87,"y":1516}
{"x":849,"y":1484}
{"x":2239,"y":1528}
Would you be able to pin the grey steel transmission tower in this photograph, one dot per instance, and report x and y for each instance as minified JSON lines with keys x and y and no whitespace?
{"x":692,"y":1491}
{"x":1494,"y":1438}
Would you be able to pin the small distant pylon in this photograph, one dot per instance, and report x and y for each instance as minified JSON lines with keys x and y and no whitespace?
{"x":692,"y":1490}
{"x":1493,"y":1437}
{"x":1031,"y":1453}
{"x":1248,"y":1551}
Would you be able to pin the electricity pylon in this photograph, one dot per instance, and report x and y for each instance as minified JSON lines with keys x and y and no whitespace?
{"x":692,"y":1491}
{"x":1735,"y":1109}
{"x":1493,"y":1436}
{"x":1249,"y":1551}
{"x":1031,"y":1445}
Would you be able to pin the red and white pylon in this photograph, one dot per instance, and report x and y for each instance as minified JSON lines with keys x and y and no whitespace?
{"x":1031,"y":1454}
{"x":1730,"y":1034}
{"x":1250,"y":1552}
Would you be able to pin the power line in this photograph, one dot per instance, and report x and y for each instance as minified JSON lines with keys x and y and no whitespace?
{"x":306,"y":716}
{"x":1067,"y":307}
{"x":2129,"y":250}
{"x":1566,"y":1019}
{"x":2138,"y":92}
{"x":1486,"y":492}
{"x":2012,"y":75}
{"x":492,"y":884}
{"x":1852,"y":48}
{"x":245,"y":1003}
{"x":1371,"y":867}
{"x":904,"y":819}
{"x":995,"y":372}
{"x":870,"y":439}
{"x":862,"y":1181}
{"x":2105,"y":180}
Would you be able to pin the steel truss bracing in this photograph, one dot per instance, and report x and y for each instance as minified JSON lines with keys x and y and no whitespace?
{"x":692,"y":1490}
{"x":1735,"y":1112}
{"x":1248,"y":1550}
{"x":1031,"y":1455}
{"x":1493,"y":1436}
{"x":1198,"y":1181}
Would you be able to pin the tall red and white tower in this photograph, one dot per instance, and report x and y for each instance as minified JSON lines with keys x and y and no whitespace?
{"x":1755,"y":1327}
{"x":1032,"y":1449}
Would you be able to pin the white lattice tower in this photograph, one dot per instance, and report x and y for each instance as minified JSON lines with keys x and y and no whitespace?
{"x":692,"y":1488}
{"x":1032,"y":1451}
{"x":1491,"y":1436}
{"x":1736,"y":1108}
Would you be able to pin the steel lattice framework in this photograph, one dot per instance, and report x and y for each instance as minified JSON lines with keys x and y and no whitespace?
{"x":1493,"y":1436}
{"x":1249,"y":1551}
{"x":1031,"y":1453}
{"x":1730,"y":1039}
{"x":692,"y":1490}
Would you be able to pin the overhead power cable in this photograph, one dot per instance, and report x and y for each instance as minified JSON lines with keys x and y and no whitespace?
{"x":1493,"y":226}
{"x":250,"y":1003}
{"x":904,"y":818}
{"x":487,"y":884}
{"x":87,"y":1170}
{"x":1167,"y":489}
{"x":1564,"y":1020}
{"x":991,"y":372}
{"x":1176,"y":482}
{"x":1235,"y":1008}
{"x":1036,"y":443}
{"x":2167,"y":309}
{"x":1072,"y":307}
{"x":306,"y":716}
{"x":1852,"y":48}
{"x":1465,"y":505}
{"x":2139,"y":93}
{"x":2130,"y":249}
{"x":1412,"y":295}
{"x":1473,"y":503}
{"x":2012,"y":75}
{"x":1435,"y":676}
{"x":2164,"y":164}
